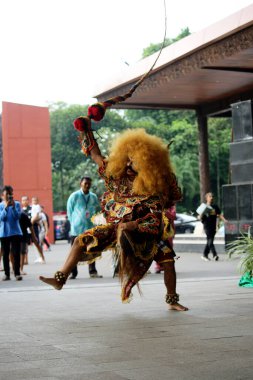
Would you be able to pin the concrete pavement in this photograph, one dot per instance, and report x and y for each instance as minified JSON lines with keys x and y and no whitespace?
{"x":85,"y":332}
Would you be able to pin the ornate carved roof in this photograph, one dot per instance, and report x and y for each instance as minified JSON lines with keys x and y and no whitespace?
{"x":207,"y":70}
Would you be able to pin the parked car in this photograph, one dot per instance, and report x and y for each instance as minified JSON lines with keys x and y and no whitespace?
{"x":185,"y":224}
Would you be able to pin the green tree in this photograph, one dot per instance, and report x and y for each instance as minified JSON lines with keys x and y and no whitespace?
{"x":219,"y":130}
{"x":181,"y":128}
{"x":160,"y":116}
{"x":153,"y":48}
{"x":184,"y":154}
{"x":182,"y":137}
{"x":69,"y":164}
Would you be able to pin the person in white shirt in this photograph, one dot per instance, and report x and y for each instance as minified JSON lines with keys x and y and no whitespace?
{"x":36,"y":209}
{"x":35,"y":215}
{"x":39,"y":224}
{"x":43,"y":228}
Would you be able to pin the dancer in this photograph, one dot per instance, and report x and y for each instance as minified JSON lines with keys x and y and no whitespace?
{"x":140,"y":185}
{"x":81,"y":206}
{"x":26,"y":225}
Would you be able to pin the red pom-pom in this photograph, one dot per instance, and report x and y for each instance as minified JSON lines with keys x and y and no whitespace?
{"x":96,"y":111}
{"x":82,"y":123}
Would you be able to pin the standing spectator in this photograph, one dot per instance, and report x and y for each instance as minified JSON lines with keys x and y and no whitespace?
{"x":208,"y":214}
{"x":46,"y":241}
{"x":39,"y":223}
{"x":35,"y":215}
{"x":43,"y":231}
{"x":28,"y":235}
{"x":1,"y":255}
{"x":27,"y":209}
{"x":10,"y":232}
{"x":81,"y":206}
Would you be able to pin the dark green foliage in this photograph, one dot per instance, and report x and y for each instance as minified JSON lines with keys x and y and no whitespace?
{"x":220,"y":135}
{"x":153,"y":48}
{"x":183,"y":151}
{"x":243,"y":248}
{"x":181,"y":128}
{"x":160,"y":116}
{"x":69,"y":163}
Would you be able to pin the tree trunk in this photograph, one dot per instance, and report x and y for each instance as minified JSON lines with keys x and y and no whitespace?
{"x":204,"y":174}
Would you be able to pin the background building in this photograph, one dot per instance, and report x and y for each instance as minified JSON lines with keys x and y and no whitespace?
{"x":25,"y":153}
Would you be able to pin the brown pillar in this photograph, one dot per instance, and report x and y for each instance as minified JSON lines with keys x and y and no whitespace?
{"x":203,"y":156}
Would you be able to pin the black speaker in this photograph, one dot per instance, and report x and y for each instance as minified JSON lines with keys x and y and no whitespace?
{"x":242,"y":172}
{"x":241,"y":161}
{"x":242,"y":120}
{"x":241,"y":151}
{"x":230,"y":202}
{"x":244,"y":193}
{"x":238,"y":197}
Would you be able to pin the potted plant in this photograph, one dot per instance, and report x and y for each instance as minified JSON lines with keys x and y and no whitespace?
{"x":243,"y":247}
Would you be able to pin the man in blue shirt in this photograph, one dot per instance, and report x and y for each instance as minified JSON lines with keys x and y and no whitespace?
{"x":10,"y":232}
{"x":81,"y":206}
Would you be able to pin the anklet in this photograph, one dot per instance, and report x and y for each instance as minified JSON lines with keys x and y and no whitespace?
{"x":172,"y":299}
{"x":60,"y":277}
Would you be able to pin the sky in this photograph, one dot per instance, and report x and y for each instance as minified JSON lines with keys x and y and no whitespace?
{"x":65,"y":50}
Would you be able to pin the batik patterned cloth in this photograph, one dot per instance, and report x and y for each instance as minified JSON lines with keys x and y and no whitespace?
{"x":119,"y":204}
{"x":137,"y":249}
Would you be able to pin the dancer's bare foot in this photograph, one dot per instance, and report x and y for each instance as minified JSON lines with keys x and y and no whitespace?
{"x":51,"y":281}
{"x":178,"y":307}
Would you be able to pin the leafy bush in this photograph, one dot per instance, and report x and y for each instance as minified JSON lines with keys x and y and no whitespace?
{"x":243,"y":248}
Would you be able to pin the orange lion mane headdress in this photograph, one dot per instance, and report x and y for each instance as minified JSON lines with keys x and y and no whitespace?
{"x":151,"y":160}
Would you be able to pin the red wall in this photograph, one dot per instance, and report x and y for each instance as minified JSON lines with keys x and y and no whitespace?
{"x":27,"y":153}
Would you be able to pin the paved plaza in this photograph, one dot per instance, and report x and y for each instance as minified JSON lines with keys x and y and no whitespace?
{"x":85,"y":332}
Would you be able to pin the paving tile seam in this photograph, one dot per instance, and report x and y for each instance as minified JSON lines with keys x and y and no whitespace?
{"x":232,"y":299}
{"x":225,"y":337}
{"x":233,"y":294}
{"x":114,"y":285}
